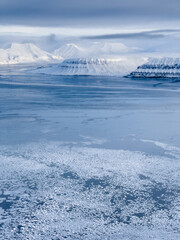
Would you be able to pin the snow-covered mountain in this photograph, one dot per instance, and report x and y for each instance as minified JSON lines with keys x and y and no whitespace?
{"x":158,"y":68}
{"x":70,"y":50}
{"x":93,"y":50}
{"x":92,"y":66}
{"x":109,"y":48}
{"x":30,"y":53}
{"x":25,"y":53}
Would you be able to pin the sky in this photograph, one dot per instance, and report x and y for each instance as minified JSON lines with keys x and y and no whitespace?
{"x":53,"y":22}
{"x":88,"y":12}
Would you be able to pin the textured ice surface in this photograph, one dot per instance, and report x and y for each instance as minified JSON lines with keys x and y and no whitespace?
{"x":52,"y":190}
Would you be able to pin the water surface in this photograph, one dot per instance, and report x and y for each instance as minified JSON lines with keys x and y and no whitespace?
{"x":85,"y":157}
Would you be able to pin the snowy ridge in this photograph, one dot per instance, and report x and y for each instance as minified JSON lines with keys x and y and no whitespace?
{"x":70,"y":50}
{"x":96,"y":49}
{"x":159,"y":67}
{"x":92,"y":66}
{"x":115,"y":47}
{"x":25,"y":53}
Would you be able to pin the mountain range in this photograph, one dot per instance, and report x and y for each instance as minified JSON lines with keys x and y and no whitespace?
{"x":98,"y":59}
{"x":25,"y":53}
{"x":29,"y":53}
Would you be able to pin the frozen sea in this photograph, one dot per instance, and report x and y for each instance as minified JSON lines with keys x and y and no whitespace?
{"x":91,"y":158}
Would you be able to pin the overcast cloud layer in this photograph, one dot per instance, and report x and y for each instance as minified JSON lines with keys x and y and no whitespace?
{"x":87,"y":12}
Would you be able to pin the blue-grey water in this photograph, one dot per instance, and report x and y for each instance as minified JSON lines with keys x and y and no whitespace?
{"x":85,"y":157}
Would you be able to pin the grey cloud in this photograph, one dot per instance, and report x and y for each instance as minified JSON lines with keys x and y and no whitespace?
{"x":80,"y":12}
{"x":142,"y":35}
{"x":47,"y":43}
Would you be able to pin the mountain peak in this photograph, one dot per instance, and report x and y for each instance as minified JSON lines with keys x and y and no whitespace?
{"x":70,"y":50}
{"x":25,"y":53}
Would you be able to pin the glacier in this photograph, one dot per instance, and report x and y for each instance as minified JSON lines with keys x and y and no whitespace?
{"x":165,"y":67}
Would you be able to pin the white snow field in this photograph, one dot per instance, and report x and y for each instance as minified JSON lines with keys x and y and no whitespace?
{"x":53,"y":191}
{"x":159,"y":68}
{"x":93,"y":66}
{"x":25,"y":53}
